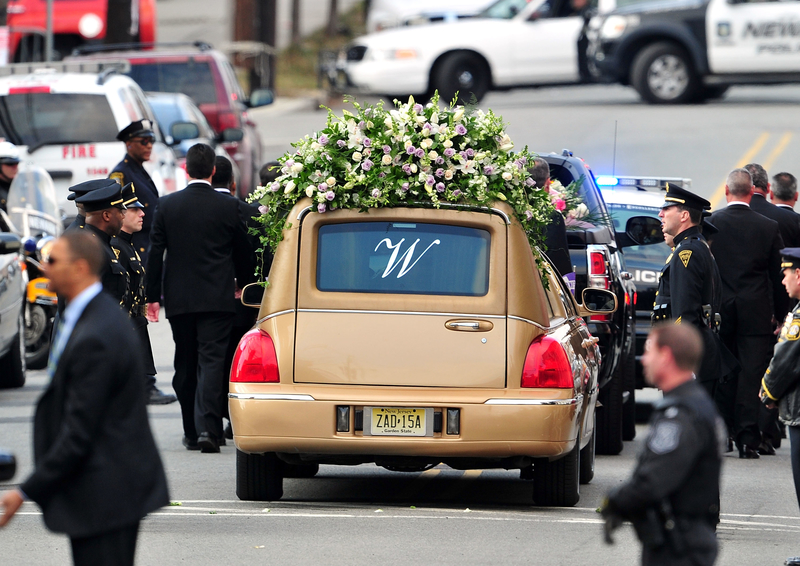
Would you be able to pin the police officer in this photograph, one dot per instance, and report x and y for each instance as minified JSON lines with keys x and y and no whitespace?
{"x":781,"y":383}
{"x":139,"y":138}
{"x":128,"y":257}
{"x":104,"y":214}
{"x":78,"y":191}
{"x":672,"y":497}
{"x":689,"y":290}
{"x":9,"y":163}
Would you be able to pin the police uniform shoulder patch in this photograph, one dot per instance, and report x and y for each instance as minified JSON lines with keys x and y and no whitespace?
{"x":793,"y":333}
{"x":118,"y":176}
{"x":685,"y":255}
{"x":665,"y":437}
{"x":116,"y":252}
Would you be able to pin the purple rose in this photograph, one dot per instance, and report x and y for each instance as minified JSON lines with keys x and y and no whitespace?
{"x":263,"y":209}
{"x":410,"y":150}
{"x":404,"y":187}
{"x":362,"y":124}
{"x":439,"y":172}
{"x":529,"y":215}
{"x":439,"y":187}
{"x":426,"y":127}
{"x":323,"y":139}
{"x":461,"y":130}
{"x":367,"y":142}
{"x":275,"y":186}
{"x":387,"y":149}
{"x":439,"y":160}
{"x":456,"y":192}
{"x":488,"y":170}
{"x":340,"y":143}
{"x":449,"y":152}
{"x":463,"y":155}
{"x":366,"y":165}
{"x":368,"y":111}
{"x":375,"y":193}
{"x":430,"y":181}
{"x":407,"y":169}
{"x":529,"y":182}
{"x":322,"y":187}
{"x":420,"y":153}
{"x":418,"y":108}
{"x":321,"y":207}
{"x":470,"y":152}
{"x":381,"y":175}
{"x":330,"y":195}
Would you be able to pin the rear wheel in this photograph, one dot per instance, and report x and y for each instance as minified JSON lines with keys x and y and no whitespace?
{"x":259,"y":477}
{"x":12,"y":365}
{"x":557,"y":484}
{"x":37,"y":336}
{"x":587,"y":458}
{"x":662,"y":73}
{"x":463,"y":73}
{"x":609,"y":416}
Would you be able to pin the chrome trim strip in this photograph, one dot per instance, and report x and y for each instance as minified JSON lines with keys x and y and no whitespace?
{"x":467,"y":207}
{"x":303,"y":214}
{"x":536,"y":324}
{"x":501,"y":401}
{"x":271,"y":396}
{"x":354,"y":311}
{"x":269,"y":316}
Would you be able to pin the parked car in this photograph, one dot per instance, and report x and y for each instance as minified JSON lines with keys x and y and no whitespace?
{"x":65,"y":117}
{"x":12,"y":307}
{"x":75,"y":23}
{"x":207,"y":77}
{"x":174,"y":112}
{"x":385,"y":14}
{"x":438,"y":362}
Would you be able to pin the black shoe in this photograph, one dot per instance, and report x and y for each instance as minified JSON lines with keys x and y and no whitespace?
{"x":190,"y":444}
{"x":746,"y":452}
{"x":207,"y":443}
{"x":766,"y":448}
{"x":229,"y":431}
{"x":157,"y":397}
{"x":729,"y":447}
{"x":792,"y":561}
{"x":221,"y":441}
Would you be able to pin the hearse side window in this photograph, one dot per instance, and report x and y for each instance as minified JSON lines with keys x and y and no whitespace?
{"x":403,"y":258}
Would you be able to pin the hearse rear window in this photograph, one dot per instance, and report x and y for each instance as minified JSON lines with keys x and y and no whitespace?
{"x":403,"y":258}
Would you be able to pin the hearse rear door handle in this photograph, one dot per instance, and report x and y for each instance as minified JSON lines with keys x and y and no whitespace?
{"x":465,"y":325}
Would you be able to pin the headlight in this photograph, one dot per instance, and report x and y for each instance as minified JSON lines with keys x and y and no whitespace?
{"x":615,"y":26}
{"x":390,"y":54}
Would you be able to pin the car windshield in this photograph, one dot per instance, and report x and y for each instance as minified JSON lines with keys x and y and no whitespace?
{"x":192,"y":78}
{"x":403,"y":257}
{"x":620,"y":214}
{"x":35,"y":119}
{"x":167,"y":113}
{"x":504,"y":9}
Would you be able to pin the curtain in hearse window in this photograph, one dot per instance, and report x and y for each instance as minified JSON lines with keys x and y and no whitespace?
{"x":404,"y":258}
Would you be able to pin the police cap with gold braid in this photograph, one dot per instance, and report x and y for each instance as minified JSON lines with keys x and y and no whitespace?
{"x":129,"y":197}
{"x":88,"y":186}
{"x":790,"y":258}
{"x":137,"y":129}
{"x":101,"y":199}
{"x":678,"y":195}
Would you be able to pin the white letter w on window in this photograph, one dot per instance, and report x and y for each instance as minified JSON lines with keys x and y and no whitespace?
{"x":407,"y":256}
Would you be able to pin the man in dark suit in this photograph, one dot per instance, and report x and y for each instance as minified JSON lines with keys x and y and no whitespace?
{"x":97,"y":469}
{"x":747,"y":250}
{"x":555,"y":237}
{"x":204,"y":237}
{"x":784,"y":190}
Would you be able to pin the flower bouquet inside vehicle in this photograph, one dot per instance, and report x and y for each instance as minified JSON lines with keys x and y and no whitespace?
{"x":412,"y":155}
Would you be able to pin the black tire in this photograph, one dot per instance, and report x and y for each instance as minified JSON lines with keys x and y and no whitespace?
{"x":662,"y":73}
{"x":587,"y":457}
{"x":609,"y":416}
{"x":12,"y":365}
{"x":557,"y":484}
{"x":259,"y":477}
{"x":300,"y":470}
{"x":629,"y":407}
{"x":38,"y":327}
{"x":463,"y":73}
{"x":711,"y":92}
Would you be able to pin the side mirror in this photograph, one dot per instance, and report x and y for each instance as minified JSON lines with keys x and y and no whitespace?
{"x":261,"y":97}
{"x":180,"y":131}
{"x":597,"y":301}
{"x":8,"y":465}
{"x":642,"y":231}
{"x":9,"y":243}
{"x":252,"y":295}
{"x":232,"y":135}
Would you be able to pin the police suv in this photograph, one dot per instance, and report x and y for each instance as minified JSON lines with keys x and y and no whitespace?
{"x":64,"y":117}
{"x":676,"y":51}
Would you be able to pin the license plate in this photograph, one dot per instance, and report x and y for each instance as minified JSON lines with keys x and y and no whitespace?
{"x":400,"y":421}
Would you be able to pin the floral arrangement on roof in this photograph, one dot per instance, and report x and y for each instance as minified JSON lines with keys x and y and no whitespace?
{"x":412,"y":155}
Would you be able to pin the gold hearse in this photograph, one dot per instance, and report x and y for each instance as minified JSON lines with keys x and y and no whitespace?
{"x":410,"y":337}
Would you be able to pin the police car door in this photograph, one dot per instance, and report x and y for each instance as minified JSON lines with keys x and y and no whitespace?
{"x":546,"y":43}
{"x":754,"y":36}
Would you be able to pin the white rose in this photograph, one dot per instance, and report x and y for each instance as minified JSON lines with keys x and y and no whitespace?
{"x":357,"y":156}
{"x":310,"y":190}
{"x":448,"y":174}
{"x":297,"y":167}
{"x":388,"y":121}
{"x":447,"y":143}
{"x":433,"y":154}
{"x":316,"y":146}
{"x":289,"y":187}
{"x":330,"y":181}
{"x":407,"y":143}
{"x":507,"y":176}
{"x":413,"y":167}
{"x":386,"y":159}
{"x":427,"y":143}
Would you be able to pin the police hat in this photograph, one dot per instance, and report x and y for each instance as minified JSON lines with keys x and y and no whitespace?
{"x":101,"y":199}
{"x":88,"y":186}
{"x":678,"y":195}
{"x":129,"y":198}
{"x":138,"y":129}
{"x":790,"y":258}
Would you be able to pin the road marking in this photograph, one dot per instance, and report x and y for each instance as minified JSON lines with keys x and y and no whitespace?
{"x":787,"y":137}
{"x":719,"y":194}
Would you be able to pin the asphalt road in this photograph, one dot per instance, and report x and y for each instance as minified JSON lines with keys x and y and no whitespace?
{"x":367,"y":515}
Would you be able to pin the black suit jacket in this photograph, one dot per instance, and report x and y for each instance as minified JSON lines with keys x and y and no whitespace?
{"x":747,"y":250}
{"x":206,"y":243}
{"x":789,"y":226}
{"x":97,"y":465}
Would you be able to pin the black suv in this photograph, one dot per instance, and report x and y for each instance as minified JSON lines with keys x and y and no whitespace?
{"x":12,"y":305}
{"x":596,"y":260}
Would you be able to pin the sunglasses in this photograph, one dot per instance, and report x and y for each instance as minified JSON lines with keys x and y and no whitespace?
{"x":144,"y":142}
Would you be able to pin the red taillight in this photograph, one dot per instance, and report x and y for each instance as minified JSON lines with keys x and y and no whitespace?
{"x":635,"y":298}
{"x":546,"y":365}
{"x":597,"y":263}
{"x":227,"y":120}
{"x":29,"y":89}
{"x":627,"y":298}
{"x":255,"y":360}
